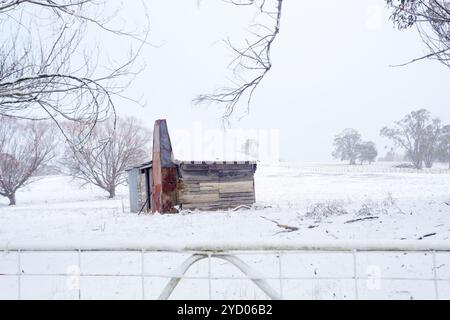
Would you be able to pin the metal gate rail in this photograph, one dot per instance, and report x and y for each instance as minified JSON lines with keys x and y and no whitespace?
{"x":228,"y":251}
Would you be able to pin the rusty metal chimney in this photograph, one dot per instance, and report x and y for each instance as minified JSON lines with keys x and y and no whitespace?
{"x":164,"y":176}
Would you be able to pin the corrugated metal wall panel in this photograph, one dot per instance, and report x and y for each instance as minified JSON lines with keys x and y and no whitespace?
{"x":133,"y":187}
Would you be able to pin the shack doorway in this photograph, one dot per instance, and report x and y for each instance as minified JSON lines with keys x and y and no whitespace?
{"x":148,"y":188}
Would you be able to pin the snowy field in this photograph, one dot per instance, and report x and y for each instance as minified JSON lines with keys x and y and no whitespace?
{"x":324,"y":201}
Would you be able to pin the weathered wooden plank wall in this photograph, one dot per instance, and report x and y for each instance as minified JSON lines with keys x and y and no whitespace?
{"x":216,"y":186}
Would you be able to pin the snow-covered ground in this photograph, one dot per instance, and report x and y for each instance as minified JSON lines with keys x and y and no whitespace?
{"x":321,"y":200}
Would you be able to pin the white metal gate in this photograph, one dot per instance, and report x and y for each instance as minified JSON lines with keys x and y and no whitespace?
{"x":436,"y":266}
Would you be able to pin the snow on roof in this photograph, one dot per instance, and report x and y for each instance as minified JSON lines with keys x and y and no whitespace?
{"x":148,"y":165}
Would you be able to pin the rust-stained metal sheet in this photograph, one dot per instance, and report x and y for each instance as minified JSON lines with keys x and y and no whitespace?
{"x":164,"y":180}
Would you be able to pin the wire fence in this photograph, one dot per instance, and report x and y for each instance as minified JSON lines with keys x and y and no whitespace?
{"x":363,"y":169}
{"x":292,"y":262}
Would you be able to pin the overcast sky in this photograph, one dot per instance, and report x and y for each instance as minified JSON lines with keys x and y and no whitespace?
{"x":330,"y":71}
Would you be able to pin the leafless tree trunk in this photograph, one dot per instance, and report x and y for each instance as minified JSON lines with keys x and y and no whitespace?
{"x":109,"y":151}
{"x":253,"y":61}
{"x":50,"y":70}
{"x":12,"y":199}
{"x":25,"y":147}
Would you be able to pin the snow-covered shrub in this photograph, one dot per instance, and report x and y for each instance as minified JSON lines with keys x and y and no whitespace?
{"x":367,"y":208}
{"x":375,"y":208}
{"x":326,"y":209}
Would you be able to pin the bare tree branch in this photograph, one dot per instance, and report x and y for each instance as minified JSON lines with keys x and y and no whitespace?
{"x":58,"y":76}
{"x":252,"y":62}
{"x":432,"y":21}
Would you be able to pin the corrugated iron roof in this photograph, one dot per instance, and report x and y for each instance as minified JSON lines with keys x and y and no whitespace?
{"x":145,"y":165}
{"x":148,"y":165}
{"x":215,"y":162}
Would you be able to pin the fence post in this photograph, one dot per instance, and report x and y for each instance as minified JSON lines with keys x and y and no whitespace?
{"x":209,"y":277}
{"x":355,"y":274}
{"x":19,"y":275}
{"x":280,"y":272}
{"x":436,"y":288}
{"x":143,"y":274}
{"x":79,"y":274}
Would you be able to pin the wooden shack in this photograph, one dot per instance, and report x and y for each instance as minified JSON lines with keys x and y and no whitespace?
{"x":166,"y":185}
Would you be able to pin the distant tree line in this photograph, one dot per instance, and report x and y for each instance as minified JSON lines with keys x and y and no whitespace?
{"x":423,"y":138}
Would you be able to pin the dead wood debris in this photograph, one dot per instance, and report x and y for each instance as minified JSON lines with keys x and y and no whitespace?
{"x":361,"y":219}
{"x":427,"y":236}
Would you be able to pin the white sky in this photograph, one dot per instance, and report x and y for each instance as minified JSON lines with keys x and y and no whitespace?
{"x":331,"y":71}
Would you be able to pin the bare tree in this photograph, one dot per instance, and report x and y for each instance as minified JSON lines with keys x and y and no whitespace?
{"x":346,"y":144}
{"x":417,"y":134}
{"x":48,"y":68}
{"x":109,"y":151}
{"x":253,"y":60}
{"x":25,"y":147}
{"x":432,"y":20}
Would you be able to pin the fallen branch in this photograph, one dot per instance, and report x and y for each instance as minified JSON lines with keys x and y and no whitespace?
{"x":427,"y":235}
{"x":286,"y":227}
{"x":361,"y":219}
